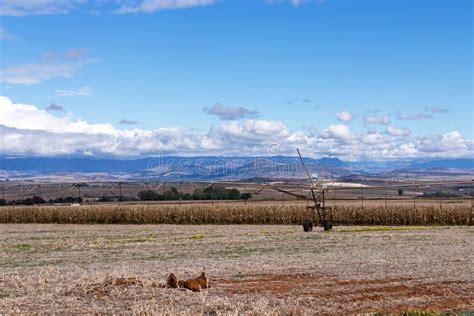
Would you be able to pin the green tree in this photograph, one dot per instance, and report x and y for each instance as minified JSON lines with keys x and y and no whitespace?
{"x":234,"y":194}
{"x":149,"y":195}
{"x":198,"y":195}
{"x":246,"y":196}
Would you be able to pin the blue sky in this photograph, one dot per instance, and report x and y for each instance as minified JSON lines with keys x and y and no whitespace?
{"x":401,"y":70}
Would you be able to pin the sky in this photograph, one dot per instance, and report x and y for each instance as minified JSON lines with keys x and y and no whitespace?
{"x":354,"y":79}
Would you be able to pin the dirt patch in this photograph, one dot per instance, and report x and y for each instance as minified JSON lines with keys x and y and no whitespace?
{"x":397,"y":295}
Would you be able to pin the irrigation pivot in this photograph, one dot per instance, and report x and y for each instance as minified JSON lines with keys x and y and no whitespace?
{"x":319,"y":208}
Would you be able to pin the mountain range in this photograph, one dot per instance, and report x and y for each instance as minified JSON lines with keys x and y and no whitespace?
{"x":174,"y":168}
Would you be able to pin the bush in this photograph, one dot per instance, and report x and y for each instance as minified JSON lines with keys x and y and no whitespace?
{"x":246,"y":196}
{"x":441,"y":194}
{"x":217,"y":192}
{"x":28,"y":201}
{"x":67,"y":199}
{"x":149,"y":195}
{"x":105,"y":198}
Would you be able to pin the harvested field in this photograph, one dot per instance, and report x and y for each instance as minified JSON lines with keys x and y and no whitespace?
{"x":452,"y":214}
{"x":252,"y":269}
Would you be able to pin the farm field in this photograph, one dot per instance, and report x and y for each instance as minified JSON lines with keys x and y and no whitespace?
{"x":239,"y":213}
{"x":252,"y":268}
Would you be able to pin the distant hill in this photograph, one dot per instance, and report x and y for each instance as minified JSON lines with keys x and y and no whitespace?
{"x":466,"y":163}
{"x":219,"y":168}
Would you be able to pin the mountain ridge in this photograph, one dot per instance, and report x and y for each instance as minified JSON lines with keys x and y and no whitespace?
{"x":225,"y":168}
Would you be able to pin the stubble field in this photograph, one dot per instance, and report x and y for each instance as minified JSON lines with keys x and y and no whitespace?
{"x":252,"y":268}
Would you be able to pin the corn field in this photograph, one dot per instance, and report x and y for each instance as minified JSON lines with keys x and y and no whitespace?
{"x":234,"y":214}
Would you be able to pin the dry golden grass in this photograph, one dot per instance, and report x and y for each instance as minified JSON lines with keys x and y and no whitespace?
{"x":252,"y":269}
{"x":454,"y":214}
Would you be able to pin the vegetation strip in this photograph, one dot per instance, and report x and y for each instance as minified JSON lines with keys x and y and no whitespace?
{"x":235,"y":214}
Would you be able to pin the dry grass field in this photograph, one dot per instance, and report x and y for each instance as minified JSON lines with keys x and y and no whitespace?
{"x":252,"y":269}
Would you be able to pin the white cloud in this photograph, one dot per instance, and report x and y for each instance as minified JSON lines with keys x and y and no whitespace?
{"x":337,"y":131}
{"x":19,"y":8}
{"x":398,"y":131}
{"x":452,"y":141}
{"x":344,"y":116}
{"x":29,"y":117}
{"x":82,"y":91}
{"x":230,"y":113}
{"x":51,"y":66}
{"x":376,"y":119}
{"x":37,"y":7}
{"x":416,"y":116}
{"x":409,"y":149}
{"x":149,"y":6}
{"x":374,"y":137}
{"x":5,"y":35}
{"x":295,"y":3}
{"x":28,"y":130}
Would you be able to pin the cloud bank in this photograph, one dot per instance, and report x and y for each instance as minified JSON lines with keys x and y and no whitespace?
{"x":28,"y":130}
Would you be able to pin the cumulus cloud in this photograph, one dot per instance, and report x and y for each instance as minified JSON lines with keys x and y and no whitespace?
{"x":376,"y":119}
{"x":374,"y":137}
{"x":398,"y":131}
{"x":28,"y":130}
{"x":337,"y":131}
{"x":416,"y":116}
{"x":254,"y":129}
{"x":29,"y":117}
{"x":82,"y":91}
{"x":230,"y":113}
{"x":344,"y":116}
{"x":150,"y":6}
{"x":52,"y":65}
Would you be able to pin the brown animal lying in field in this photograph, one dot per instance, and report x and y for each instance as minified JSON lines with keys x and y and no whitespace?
{"x":172,"y":281}
{"x":195,"y":284}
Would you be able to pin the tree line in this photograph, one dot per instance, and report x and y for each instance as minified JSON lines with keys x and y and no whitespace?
{"x":213,"y":192}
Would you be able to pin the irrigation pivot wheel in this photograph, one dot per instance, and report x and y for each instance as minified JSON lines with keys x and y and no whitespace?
{"x":308,"y":225}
